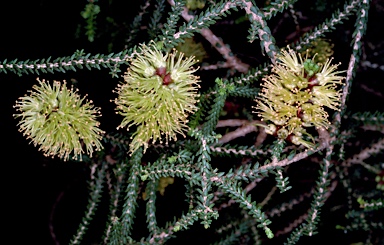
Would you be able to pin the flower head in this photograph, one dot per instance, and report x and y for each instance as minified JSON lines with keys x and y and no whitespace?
{"x":295,"y":96}
{"x":320,"y":50}
{"x":191,"y":48}
{"x":58,"y":120}
{"x":158,"y":93}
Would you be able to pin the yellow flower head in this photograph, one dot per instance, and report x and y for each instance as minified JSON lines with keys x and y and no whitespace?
{"x":158,"y":93}
{"x":58,"y":120}
{"x":294,"y":97}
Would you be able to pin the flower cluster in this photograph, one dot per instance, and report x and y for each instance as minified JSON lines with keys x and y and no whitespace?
{"x":163,"y":183}
{"x":191,"y":48}
{"x":58,"y":120}
{"x":294,"y":97}
{"x":195,"y":4}
{"x":158,"y":93}
{"x":320,"y":50}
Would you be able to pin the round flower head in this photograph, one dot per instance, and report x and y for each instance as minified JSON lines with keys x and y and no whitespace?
{"x":294,"y":97}
{"x":59,"y":121}
{"x":158,"y":93}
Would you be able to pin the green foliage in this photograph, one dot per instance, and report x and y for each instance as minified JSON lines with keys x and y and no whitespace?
{"x":371,"y":205}
{"x":78,"y":60}
{"x":121,"y":229}
{"x":90,"y":13}
{"x":95,"y":190}
{"x":155,"y":19}
{"x":235,"y":236}
{"x":328,"y":25}
{"x":282,"y":183}
{"x":134,"y":27}
{"x":244,"y":189}
{"x":222,"y":89}
{"x":369,"y":118}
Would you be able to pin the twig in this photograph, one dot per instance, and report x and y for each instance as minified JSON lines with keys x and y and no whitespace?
{"x":365,"y":153}
{"x":239,"y":132}
{"x":217,"y":43}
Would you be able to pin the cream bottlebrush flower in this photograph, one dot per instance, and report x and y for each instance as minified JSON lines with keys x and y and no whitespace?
{"x":158,"y":93}
{"x":59,"y":121}
{"x":295,"y":96}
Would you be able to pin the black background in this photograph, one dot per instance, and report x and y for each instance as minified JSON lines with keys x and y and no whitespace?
{"x":32,"y":184}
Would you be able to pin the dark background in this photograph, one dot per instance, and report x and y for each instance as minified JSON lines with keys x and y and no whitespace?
{"x":32,"y":184}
